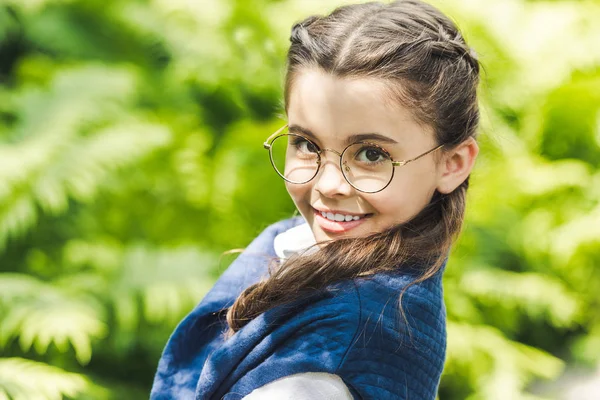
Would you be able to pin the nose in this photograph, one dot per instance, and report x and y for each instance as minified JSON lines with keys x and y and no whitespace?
{"x":330,"y":181}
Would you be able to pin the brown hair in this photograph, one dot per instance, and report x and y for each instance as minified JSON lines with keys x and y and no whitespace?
{"x":431,"y":71}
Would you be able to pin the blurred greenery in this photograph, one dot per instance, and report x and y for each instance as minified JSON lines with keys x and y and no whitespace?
{"x":131,"y":158}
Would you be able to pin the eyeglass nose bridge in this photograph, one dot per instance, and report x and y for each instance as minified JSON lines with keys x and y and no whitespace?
{"x":343,"y":165}
{"x":332,"y":150}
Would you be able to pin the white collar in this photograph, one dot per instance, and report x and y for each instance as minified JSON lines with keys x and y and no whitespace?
{"x":293,"y":240}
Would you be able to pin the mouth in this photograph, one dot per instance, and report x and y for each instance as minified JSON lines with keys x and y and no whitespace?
{"x":339,"y":221}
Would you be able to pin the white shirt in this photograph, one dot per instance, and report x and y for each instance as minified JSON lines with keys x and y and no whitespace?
{"x":307,"y":385}
{"x":304,"y":386}
{"x":293,"y":240}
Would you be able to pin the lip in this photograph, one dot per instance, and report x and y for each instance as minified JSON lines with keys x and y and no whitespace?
{"x":338,"y":226}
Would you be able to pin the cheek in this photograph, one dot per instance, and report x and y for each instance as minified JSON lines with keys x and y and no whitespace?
{"x":403,"y":199}
{"x":388,"y":207}
{"x":298,"y":193}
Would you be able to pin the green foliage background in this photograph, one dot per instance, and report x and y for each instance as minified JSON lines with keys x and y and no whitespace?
{"x":131,"y":158}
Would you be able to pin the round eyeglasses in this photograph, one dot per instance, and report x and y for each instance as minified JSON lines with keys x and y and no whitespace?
{"x":366,"y":166}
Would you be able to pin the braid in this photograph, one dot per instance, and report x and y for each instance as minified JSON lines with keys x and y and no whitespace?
{"x":454,"y":47}
{"x":299,"y":32}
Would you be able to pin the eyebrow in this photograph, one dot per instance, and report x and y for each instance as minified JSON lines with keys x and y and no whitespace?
{"x":360,"y":137}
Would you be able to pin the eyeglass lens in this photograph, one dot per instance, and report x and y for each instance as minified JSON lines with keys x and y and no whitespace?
{"x":365,"y":166}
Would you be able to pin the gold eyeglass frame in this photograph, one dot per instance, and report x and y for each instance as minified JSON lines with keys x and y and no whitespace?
{"x":267,"y":145}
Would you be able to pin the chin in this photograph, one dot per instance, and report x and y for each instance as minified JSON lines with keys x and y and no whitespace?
{"x":321,"y":235}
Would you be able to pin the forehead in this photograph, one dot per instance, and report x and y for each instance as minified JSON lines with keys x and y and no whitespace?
{"x":334,"y":108}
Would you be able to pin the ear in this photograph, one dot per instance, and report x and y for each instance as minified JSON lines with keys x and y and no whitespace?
{"x":456,"y":164}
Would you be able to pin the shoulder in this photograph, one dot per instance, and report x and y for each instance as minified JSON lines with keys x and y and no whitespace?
{"x":399,"y":350}
{"x":322,"y":326}
{"x":352,"y":329}
{"x":384,"y":311}
{"x":341,"y":315}
{"x":379,"y":344}
{"x":389,"y":293}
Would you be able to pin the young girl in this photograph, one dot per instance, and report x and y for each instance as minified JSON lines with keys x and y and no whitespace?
{"x":346,"y":300}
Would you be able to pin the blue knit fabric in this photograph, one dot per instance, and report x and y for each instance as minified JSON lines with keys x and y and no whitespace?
{"x":352,"y":329}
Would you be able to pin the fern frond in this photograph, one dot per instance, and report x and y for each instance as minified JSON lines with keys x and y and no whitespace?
{"x":566,"y":239}
{"x":504,"y":367}
{"x":539,"y":296}
{"x":39,"y":313}
{"x":66,"y":155}
{"x":22,"y":379}
{"x":168,"y":281}
{"x":158,"y":285}
{"x":103,"y":256}
{"x":535,"y":176}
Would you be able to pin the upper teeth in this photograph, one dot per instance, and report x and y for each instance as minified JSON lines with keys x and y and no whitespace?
{"x":339,"y":217}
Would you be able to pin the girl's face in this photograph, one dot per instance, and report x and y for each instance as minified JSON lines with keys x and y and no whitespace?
{"x":331,"y":110}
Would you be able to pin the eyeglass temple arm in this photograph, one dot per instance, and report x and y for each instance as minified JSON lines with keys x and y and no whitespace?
{"x":266,"y":144}
{"x":404,"y":162}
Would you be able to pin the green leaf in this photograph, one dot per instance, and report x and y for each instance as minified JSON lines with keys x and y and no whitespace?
{"x":38,"y":314}
{"x":537,"y":295}
{"x":22,"y":379}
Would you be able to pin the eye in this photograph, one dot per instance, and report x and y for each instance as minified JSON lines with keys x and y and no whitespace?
{"x":303,"y":145}
{"x":371,"y":155}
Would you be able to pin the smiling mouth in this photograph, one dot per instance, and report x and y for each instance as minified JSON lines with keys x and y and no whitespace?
{"x":341,"y":216}
{"x":338,"y":222}
{"x":337,"y":217}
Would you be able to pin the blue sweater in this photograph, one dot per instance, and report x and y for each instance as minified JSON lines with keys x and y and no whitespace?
{"x":353,"y":329}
